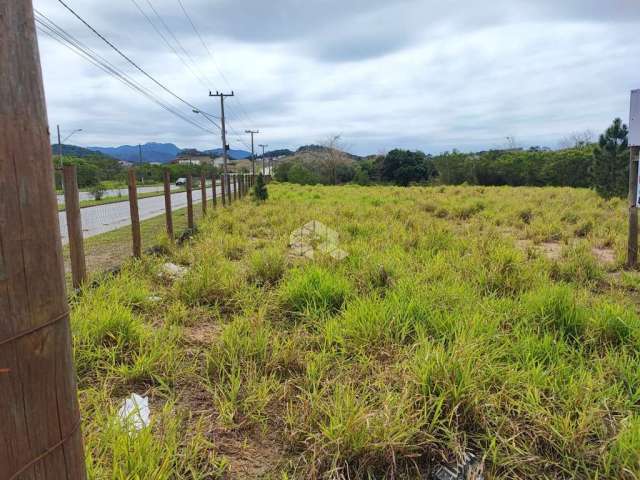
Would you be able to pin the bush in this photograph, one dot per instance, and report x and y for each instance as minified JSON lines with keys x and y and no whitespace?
{"x":260,"y":193}
{"x":97,"y":191}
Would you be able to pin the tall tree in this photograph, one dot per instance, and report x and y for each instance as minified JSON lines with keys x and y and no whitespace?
{"x":404,"y":167}
{"x":610,"y":161}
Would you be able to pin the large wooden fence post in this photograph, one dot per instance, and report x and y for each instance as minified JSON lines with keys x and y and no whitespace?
{"x":135,"y":216}
{"x":74,"y":225}
{"x":203,"y":189}
{"x":167,"y":204}
{"x":229,"y":189}
{"x":213,"y":190}
{"x":40,"y":433}
{"x":190,"y":223}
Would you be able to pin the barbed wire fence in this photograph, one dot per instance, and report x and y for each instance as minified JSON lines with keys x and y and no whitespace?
{"x":99,"y":239}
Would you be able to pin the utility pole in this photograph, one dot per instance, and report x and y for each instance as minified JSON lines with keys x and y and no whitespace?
{"x":263,"y":147}
{"x":225,"y":147}
{"x":59,"y":148}
{"x":253,"y":157}
{"x":39,"y":419}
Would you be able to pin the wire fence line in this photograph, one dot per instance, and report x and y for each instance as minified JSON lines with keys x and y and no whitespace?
{"x":100,"y":238}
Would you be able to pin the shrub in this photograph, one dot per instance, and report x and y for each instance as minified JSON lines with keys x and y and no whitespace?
{"x":260,"y":193}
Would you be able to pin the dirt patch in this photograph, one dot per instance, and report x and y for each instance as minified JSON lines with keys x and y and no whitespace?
{"x":250,"y":457}
{"x":524,"y":245}
{"x":604,"y":255}
{"x":202,"y":333}
{"x":552,"y":250}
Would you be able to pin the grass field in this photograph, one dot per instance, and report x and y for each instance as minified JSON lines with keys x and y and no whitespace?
{"x":463,"y":319}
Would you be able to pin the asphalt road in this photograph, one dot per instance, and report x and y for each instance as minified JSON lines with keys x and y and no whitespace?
{"x":104,"y":218}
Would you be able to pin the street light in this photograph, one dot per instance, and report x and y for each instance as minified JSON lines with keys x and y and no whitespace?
{"x":60,"y":142}
{"x":71,"y":134}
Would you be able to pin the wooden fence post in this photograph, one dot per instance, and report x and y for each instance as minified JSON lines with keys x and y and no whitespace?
{"x":135,"y":216}
{"x":167,"y":204}
{"x":223,"y":190}
{"x":235,"y":187}
{"x":39,"y":418}
{"x":229,"y":189}
{"x":632,"y":242}
{"x":213,"y":190}
{"x":74,"y":225}
{"x":203,"y":189}
{"x":190,"y":223}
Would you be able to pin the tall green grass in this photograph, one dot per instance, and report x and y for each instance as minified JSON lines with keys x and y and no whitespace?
{"x":448,"y":328}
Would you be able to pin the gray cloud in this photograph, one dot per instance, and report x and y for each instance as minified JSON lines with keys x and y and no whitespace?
{"x":417,"y":74}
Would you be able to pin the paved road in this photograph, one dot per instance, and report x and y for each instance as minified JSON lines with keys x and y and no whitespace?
{"x":104,"y":218}
{"x":124,"y":192}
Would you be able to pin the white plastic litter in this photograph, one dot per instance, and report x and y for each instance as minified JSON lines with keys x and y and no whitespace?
{"x":135,"y":412}
{"x":172,"y":271}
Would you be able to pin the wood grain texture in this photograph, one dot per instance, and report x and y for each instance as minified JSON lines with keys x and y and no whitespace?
{"x":38,"y":399}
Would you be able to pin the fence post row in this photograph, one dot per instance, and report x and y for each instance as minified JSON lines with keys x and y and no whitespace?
{"x":74,"y":225}
{"x":190,"y":223}
{"x":135,"y":217}
{"x":167,"y":204}
{"x":203,"y":189}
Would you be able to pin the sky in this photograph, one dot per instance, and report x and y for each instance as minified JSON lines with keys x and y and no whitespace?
{"x":416,"y":74}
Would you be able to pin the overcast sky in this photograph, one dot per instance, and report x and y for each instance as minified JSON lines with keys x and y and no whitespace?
{"x":429,"y":74}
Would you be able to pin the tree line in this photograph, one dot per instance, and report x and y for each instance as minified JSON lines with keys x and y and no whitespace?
{"x":96,"y":169}
{"x":602,"y":166}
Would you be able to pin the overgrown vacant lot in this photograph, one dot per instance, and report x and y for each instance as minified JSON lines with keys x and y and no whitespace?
{"x":490,"y":320}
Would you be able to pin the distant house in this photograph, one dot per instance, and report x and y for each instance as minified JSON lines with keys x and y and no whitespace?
{"x":187,"y":158}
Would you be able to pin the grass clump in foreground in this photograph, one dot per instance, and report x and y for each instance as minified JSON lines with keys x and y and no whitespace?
{"x":489,"y":320}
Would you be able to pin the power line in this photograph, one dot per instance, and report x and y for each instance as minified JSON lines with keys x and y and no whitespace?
{"x":200,"y":77}
{"x":57,"y":33}
{"x":134,"y":64}
{"x":166,"y":41}
{"x":206,"y":47}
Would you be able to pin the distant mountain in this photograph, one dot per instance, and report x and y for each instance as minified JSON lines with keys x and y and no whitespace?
{"x":322,"y":148}
{"x":151,"y":152}
{"x":76,"y":151}
{"x":283,"y":152}
{"x":233,"y":154}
